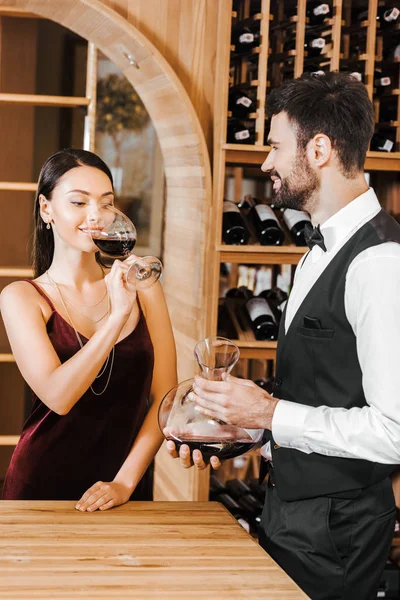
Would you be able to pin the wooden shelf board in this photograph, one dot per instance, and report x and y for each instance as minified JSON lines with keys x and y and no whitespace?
{"x":7,"y":358}
{"x":260,"y":255}
{"x":247,"y":154}
{"x":16,"y":186}
{"x":41,"y":100}
{"x":9,"y":440}
{"x":16,"y":272}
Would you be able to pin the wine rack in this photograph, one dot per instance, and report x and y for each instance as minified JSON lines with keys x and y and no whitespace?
{"x":354,"y":40}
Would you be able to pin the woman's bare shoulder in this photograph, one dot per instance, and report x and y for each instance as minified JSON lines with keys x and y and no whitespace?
{"x":19,"y":293}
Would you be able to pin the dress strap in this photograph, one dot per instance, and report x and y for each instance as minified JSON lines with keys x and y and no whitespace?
{"x":41,"y":292}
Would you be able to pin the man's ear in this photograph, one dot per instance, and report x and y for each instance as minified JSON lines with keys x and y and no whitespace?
{"x":319,"y":150}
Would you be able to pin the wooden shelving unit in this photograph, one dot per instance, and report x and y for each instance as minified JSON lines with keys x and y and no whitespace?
{"x":88,"y":102}
{"x":244,"y":160}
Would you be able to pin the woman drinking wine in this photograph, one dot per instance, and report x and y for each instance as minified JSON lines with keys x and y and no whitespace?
{"x":90,"y":347}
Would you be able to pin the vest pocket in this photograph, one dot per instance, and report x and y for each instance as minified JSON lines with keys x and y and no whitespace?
{"x":316,"y":333}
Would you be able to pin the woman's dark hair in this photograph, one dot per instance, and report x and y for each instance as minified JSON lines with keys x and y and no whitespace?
{"x":335,"y":104}
{"x":53,"y":169}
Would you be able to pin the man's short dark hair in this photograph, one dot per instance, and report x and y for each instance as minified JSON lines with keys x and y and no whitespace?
{"x":335,"y":104}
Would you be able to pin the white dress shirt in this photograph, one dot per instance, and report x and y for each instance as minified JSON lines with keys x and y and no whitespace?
{"x":372,"y":305}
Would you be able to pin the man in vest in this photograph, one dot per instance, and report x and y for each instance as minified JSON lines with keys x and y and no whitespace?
{"x":332,"y":426}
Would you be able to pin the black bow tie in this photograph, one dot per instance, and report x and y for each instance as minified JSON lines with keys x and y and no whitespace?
{"x":314,"y":237}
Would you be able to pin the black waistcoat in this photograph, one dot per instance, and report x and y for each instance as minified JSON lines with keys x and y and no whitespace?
{"x":319,"y":367}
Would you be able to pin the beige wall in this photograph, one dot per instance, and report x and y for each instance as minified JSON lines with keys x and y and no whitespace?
{"x":185,"y":33}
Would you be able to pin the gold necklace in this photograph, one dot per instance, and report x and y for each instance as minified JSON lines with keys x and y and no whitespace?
{"x":76,"y":310}
{"x":112,"y":353}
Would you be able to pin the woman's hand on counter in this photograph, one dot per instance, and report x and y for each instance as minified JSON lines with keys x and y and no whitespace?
{"x":103,"y":495}
{"x":188,"y":460}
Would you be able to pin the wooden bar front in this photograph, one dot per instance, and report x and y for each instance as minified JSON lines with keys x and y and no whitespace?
{"x":141,"y":550}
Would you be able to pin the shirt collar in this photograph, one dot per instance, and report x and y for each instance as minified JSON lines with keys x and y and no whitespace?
{"x":349,"y":219}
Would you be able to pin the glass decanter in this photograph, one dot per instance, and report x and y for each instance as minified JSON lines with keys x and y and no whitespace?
{"x":181,"y":423}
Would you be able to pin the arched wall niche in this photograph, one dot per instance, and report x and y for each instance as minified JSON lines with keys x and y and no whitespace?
{"x":185,"y":156}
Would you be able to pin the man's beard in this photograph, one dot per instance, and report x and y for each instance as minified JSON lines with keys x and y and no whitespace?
{"x":297,"y":188}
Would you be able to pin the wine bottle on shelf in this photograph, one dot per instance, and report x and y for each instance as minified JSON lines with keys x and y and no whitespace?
{"x":237,"y":488}
{"x":382,"y":81}
{"x":238,"y":133}
{"x":266,"y":224}
{"x":276,"y":298}
{"x":381,"y":143}
{"x":237,"y":511}
{"x":240,"y":102}
{"x":216,"y":487}
{"x":313,"y":45}
{"x":262,"y":319}
{"x":317,"y":12}
{"x":244,"y":39}
{"x":265,"y":383}
{"x":388,"y":15}
{"x":240,"y":292}
{"x":257,"y":489}
{"x":295,"y":221}
{"x":234,"y":230}
{"x":388,"y":111}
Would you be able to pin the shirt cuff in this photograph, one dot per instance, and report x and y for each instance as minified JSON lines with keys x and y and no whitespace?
{"x":288,"y":424}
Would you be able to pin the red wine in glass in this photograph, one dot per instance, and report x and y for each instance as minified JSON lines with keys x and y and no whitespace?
{"x":223,"y":449}
{"x":115,"y":248}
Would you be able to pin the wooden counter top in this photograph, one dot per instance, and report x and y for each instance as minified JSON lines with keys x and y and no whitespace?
{"x":142,"y":550}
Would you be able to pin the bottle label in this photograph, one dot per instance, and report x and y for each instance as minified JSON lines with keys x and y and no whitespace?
{"x":356,"y":75}
{"x":230,"y":207}
{"x":244,"y":101}
{"x":386,"y":146}
{"x":292,"y":217}
{"x":259,"y":307}
{"x":318,"y":43}
{"x":246,"y":38}
{"x":391,"y":15}
{"x":242,"y":135}
{"x":322,"y":9}
{"x":265,"y":212}
{"x":384,"y":81}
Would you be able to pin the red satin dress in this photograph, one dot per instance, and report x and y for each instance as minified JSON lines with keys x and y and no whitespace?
{"x":60,"y":457}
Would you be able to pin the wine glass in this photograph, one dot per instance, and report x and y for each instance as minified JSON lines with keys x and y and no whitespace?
{"x":114,"y":234}
{"x":180,"y":422}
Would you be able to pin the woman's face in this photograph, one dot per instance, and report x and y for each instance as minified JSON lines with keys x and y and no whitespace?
{"x":78,"y":202}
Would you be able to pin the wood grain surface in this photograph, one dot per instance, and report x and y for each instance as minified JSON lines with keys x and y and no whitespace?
{"x":141,"y":550}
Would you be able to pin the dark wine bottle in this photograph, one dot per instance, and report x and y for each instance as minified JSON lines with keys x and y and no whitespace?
{"x":239,"y":133}
{"x":237,"y":511}
{"x":313,"y":45}
{"x":266,"y":224}
{"x":317,"y":12}
{"x":240,"y":102}
{"x":275,"y":297}
{"x":381,"y":143}
{"x":265,"y":383}
{"x":262,"y":319}
{"x":234,"y":230}
{"x":240,"y":292}
{"x":257,"y":489}
{"x":388,"y":15}
{"x":295,"y":221}
{"x":216,"y":487}
{"x":237,"y":488}
{"x":244,"y":39}
{"x":388,"y":110}
{"x":382,"y":81}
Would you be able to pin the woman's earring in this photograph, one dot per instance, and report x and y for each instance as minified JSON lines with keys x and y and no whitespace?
{"x":48,"y":226}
